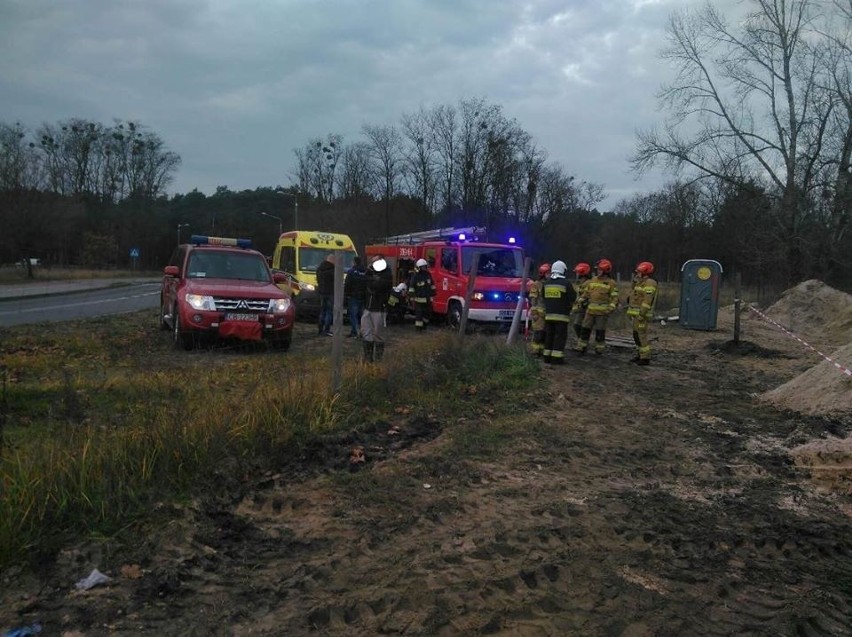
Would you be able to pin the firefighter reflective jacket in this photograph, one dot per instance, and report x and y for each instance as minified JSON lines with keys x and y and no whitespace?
{"x":559,"y":296}
{"x":536,"y":313}
{"x":602,"y":295}
{"x":643,"y":298}
{"x":421,"y":287}
{"x":582,"y":286}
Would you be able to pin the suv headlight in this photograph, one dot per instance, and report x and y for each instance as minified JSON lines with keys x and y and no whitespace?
{"x":201,"y":302}
{"x":279,"y":305}
{"x":308,"y":287}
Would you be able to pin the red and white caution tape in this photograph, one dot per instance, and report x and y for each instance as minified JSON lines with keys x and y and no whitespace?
{"x":844,"y":370}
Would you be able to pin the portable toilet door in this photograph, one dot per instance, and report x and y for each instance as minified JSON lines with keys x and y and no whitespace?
{"x":699,"y":294}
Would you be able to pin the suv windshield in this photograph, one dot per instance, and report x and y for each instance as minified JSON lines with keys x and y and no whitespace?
{"x":310,"y":258}
{"x":210,"y":264}
{"x":494,"y":261}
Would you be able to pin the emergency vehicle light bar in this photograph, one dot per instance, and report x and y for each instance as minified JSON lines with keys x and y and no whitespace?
{"x":201,"y":239}
{"x":471,"y":233}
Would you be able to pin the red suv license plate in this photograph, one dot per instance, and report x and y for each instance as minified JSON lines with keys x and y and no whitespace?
{"x":235,"y":316}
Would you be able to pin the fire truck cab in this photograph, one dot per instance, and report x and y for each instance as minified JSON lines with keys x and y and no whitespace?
{"x":450,"y":253}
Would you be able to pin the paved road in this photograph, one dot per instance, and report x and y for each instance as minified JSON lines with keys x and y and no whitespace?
{"x":70,"y":300}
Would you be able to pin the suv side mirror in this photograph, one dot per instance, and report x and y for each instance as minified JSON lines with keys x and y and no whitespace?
{"x":171,"y":270}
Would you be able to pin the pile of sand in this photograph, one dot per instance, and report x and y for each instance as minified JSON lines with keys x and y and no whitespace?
{"x":822,"y":316}
{"x":823,"y":390}
{"x":815,"y":311}
{"x":829,"y":462}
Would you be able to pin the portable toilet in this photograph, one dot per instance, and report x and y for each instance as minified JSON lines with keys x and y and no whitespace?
{"x":699,"y":294}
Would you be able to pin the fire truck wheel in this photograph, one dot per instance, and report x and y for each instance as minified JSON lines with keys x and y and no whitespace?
{"x":181,"y":339}
{"x":454,"y":314}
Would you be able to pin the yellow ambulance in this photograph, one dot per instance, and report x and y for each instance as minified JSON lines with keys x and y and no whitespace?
{"x":298,"y":253}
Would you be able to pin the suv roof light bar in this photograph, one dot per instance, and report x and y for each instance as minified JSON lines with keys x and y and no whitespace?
{"x":201,"y":240}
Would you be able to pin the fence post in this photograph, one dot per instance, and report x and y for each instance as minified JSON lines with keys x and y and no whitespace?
{"x":337,"y":329}
{"x":471,"y":281}
{"x":738,"y":279}
{"x":516,"y":319}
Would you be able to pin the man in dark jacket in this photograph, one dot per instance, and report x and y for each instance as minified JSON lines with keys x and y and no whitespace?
{"x":378,"y":286}
{"x":325,"y":289}
{"x":354,"y":290}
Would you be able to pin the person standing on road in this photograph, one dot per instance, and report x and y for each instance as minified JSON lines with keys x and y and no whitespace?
{"x":559,"y":297}
{"x":601,"y":299}
{"x":578,"y":310}
{"x":325,"y":289}
{"x":378,"y":287}
{"x":354,"y":289}
{"x":640,"y":309}
{"x":536,"y":310}
{"x":421,"y":287}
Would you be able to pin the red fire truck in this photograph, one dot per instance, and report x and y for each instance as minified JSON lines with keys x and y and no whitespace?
{"x":450,"y":253}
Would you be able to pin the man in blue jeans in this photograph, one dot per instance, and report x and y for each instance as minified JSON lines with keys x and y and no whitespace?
{"x":325,"y":289}
{"x":354,"y":290}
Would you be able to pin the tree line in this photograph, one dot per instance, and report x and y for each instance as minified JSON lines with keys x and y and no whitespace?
{"x":757,"y":136}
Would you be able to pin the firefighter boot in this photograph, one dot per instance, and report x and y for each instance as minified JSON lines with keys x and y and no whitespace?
{"x":600,"y":341}
{"x":380,"y":351}
{"x":368,"y":351}
{"x":636,"y":358}
{"x":583,"y":341}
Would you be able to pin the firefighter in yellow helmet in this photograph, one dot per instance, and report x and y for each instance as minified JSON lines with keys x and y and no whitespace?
{"x":578,"y":310}
{"x":601,"y":297}
{"x":640,"y":309}
{"x":559,"y":296}
{"x":534,"y":289}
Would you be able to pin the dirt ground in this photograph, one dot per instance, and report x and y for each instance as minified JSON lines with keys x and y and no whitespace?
{"x":674,"y":499}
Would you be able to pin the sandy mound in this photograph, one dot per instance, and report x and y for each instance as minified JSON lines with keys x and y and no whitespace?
{"x":829,"y":462}
{"x":823,"y":390}
{"x":822,"y":316}
{"x":816,"y":312}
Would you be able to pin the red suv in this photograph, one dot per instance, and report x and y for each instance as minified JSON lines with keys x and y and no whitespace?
{"x":221,"y":288}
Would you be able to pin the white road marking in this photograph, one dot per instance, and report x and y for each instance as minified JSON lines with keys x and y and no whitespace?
{"x":81,"y":304}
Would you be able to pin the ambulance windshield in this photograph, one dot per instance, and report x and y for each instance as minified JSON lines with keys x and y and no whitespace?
{"x":310,"y":258}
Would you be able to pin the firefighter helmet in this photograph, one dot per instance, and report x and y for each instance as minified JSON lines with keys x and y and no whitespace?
{"x":544,"y":269}
{"x":582,"y":269}
{"x":646,"y":268}
{"x":604,"y":265}
{"x":558,"y":269}
{"x":421,"y":263}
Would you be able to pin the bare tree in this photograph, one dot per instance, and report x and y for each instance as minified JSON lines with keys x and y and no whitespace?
{"x":745,"y":105}
{"x":444,"y":122}
{"x":419,"y":157}
{"x":354,"y":176}
{"x":385,"y":144}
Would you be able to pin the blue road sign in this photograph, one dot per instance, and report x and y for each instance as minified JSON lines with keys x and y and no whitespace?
{"x":134,"y":253}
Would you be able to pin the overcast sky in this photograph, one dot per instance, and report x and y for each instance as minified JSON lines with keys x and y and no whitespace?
{"x":233,"y":86}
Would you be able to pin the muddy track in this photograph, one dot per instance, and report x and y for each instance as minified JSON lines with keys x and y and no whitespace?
{"x":632,"y":501}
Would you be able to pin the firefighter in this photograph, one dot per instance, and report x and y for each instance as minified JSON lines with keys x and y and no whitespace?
{"x":578,"y":311}
{"x":536,"y":311}
{"x":559,"y":297}
{"x":379,"y":284}
{"x":422,"y":289}
{"x":640,"y":309}
{"x":601,"y":299}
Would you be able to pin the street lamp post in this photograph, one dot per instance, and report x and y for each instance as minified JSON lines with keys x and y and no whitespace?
{"x":280,"y":221}
{"x":179,"y":226}
{"x":295,"y":206}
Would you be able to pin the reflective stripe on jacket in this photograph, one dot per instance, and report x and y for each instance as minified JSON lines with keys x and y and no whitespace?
{"x":643,"y":298}
{"x":558,"y":297}
{"x":582,"y":285}
{"x":602,"y":294}
{"x":421,"y":287}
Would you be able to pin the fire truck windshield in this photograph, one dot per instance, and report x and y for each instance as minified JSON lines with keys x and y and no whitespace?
{"x":502,"y":261}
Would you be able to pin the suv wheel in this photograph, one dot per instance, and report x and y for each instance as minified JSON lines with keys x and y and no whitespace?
{"x":180,"y":338}
{"x":282,"y":341}
{"x":163,"y":323}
